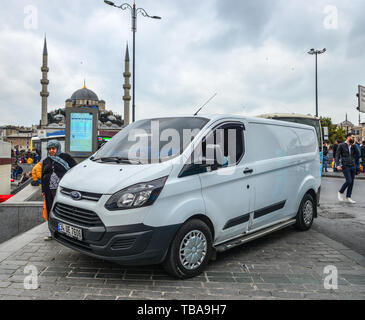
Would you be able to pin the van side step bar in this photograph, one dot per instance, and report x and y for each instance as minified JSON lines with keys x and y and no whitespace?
{"x":247,"y":238}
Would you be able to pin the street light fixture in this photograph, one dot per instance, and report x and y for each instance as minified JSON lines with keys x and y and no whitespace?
{"x":134,"y":11}
{"x":317,"y":52}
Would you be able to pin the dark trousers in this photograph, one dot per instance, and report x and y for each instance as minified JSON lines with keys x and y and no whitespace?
{"x":349,"y":173}
{"x":50,"y":195}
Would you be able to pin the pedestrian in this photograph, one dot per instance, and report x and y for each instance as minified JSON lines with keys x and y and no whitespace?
{"x":325,"y":156}
{"x":347,"y":152}
{"x":334,"y":155}
{"x":37,"y":174}
{"x":362,"y":148}
{"x":357,"y":157}
{"x":54,"y":168}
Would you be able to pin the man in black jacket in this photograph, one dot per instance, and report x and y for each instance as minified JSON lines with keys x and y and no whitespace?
{"x":348,"y":152}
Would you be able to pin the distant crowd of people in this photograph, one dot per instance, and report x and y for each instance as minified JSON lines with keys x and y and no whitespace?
{"x":359,"y":157}
{"x":23,"y":157}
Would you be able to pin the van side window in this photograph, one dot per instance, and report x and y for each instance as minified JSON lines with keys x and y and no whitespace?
{"x":230,"y":138}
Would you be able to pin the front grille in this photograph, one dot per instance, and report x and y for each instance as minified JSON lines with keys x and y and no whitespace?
{"x":123,"y":244}
{"x":81,"y":217}
{"x":84,"y":195}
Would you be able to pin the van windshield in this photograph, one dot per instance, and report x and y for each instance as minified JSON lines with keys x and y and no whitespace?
{"x":151,"y":141}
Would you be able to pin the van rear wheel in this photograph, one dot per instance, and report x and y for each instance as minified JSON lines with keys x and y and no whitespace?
{"x":305,"y":214}
{"x":190,"y":250}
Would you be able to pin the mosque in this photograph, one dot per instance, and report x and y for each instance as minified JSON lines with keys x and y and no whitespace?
{"x":54,"y":122}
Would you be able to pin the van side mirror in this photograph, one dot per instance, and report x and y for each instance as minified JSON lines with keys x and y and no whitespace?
{"x":214,"y":159}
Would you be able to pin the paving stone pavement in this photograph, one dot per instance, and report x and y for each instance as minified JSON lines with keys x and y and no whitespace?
{"x":284,"y":265}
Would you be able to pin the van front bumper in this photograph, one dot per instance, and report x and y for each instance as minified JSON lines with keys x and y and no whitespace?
{"x":128,"y":245}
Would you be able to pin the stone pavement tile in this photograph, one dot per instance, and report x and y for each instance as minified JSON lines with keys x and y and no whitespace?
{"x":264,"y":286}
{"x":180,"y":296}
{"x":54,"y":274}
{"x":351,"y":288}
{"x":100,"y":297}
{"x":81,"y":275}
{"x":4,"y":284}
{"x":355,"y":279}
{"x":180,"y":284}
{"x":302,"y":279}
{"x":221,"y":279}
{"x":116,"y":292}
{"x":67,"y":296}
{"x":164,"y":289}
{"x":349,"y":296}
{"x":258,"y":293}
{"x":288,"y":295}
{"x":193,"y":291}
{"x":291,"y":287}
{"x":111,"y":276}
{"x":223,"y":285}
{"x":272,"y":278}
{"x":84,"y":290}
{"x":137,"y":277}
{"x":78,"y":281}
{"x":319,"y":296}
{"x":12,"y":298}
{"x":224,"y":292}
{"x":146,"y":294}
{"x":127,"y":283}
{"x":7,"y":272}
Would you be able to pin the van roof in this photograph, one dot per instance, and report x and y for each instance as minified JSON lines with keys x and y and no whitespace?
{"x":217,"y":117}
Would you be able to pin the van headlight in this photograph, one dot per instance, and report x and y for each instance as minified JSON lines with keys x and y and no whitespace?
{"x":136,"y":196}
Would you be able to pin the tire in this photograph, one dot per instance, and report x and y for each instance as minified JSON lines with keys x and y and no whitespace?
{"x":179,"y":262}
{"x":305,"y":216}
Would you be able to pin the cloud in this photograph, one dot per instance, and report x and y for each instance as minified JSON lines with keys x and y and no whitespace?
{"x":252,"y":53}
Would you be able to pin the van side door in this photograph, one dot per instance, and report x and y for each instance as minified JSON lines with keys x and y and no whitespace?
{"x":227,"y":190}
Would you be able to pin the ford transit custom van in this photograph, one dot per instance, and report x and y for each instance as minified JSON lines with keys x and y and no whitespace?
{"x":178,"y":190}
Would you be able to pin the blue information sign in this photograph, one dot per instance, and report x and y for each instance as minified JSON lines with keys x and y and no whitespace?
{"x":81,"y":132}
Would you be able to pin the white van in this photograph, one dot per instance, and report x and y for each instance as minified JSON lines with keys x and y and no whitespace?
{"x":177,"y":190}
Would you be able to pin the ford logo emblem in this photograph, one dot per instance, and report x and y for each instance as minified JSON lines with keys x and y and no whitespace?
{"x":75,"y":195}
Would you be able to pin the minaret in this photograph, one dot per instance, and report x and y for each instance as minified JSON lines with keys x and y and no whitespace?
{"x":45,"y":82}
{"x":127,"y":87}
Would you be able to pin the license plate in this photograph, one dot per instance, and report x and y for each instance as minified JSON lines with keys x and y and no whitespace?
{"x":70,"y":231}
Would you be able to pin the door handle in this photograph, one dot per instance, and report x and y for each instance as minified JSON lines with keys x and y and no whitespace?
{"x":247,"y":171}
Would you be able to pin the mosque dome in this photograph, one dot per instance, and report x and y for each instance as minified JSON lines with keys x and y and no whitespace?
{"x":85,"y":94}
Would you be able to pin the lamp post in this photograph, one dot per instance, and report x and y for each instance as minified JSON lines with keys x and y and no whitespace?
{"x":134,"y":12}
{"x":317,"y":52}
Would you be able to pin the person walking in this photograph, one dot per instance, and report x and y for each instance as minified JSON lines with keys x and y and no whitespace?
{"x":334,"y":154}
{"x":362,"y":148}
{"x":54,"y":168}
{"x":347,"y":152}
{"x":325,"y":156}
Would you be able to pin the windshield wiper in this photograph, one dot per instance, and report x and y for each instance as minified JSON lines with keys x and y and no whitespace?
{"x":117,"y":160}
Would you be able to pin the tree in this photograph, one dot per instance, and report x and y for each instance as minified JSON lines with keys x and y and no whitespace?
{"x":334,"y":132}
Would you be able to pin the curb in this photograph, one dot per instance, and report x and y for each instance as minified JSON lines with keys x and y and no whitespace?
{"x":341,"y":176}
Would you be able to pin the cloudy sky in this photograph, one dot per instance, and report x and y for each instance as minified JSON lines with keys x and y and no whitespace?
{"x":253,"y":53}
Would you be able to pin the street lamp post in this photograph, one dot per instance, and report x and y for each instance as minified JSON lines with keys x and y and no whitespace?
{"x":134,"y":13}
{"x":316,"y":52}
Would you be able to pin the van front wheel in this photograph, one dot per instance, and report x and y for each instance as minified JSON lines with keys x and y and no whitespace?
{"x":190,"y":250}
{"x":305,"y":214}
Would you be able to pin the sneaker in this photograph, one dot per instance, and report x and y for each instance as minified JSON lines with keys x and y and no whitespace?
{"x":340,"y":197}
{"x":349,"y":200}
